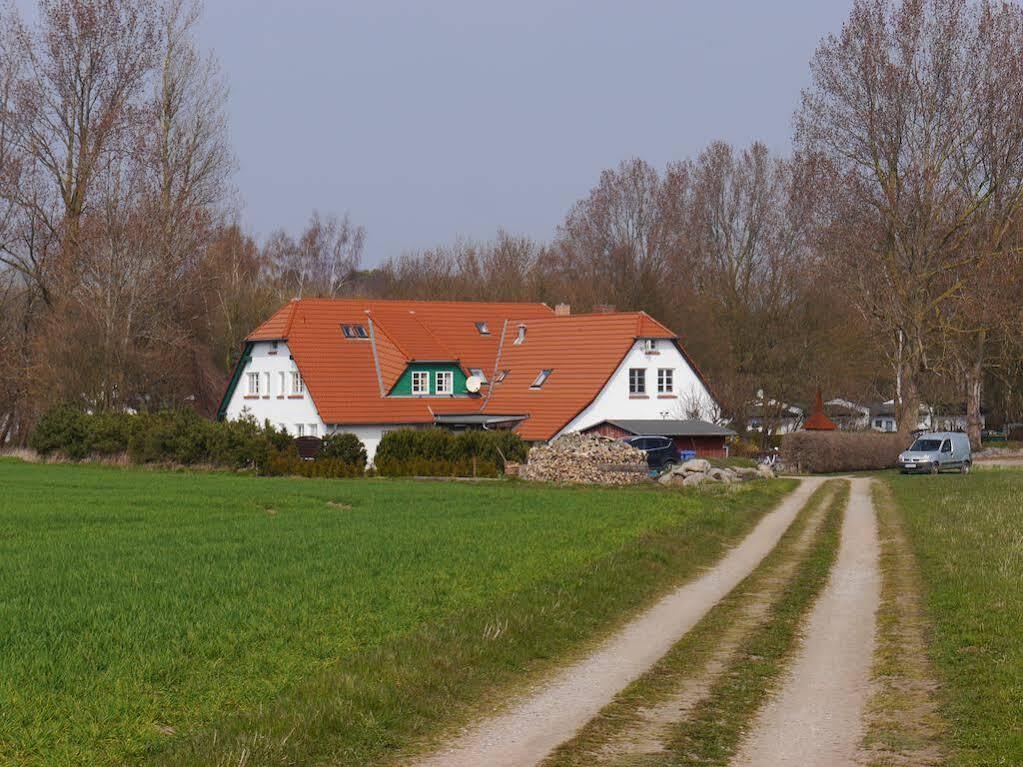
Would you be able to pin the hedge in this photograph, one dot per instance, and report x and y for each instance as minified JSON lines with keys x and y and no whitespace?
{"x":437,"y":452}
{"x":825,"y":452}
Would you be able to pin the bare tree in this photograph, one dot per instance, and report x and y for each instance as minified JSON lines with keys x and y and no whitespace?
{"x":322,"y":261}
{"x":891,"y":118}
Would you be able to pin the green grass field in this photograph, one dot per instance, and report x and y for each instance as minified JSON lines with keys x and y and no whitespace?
{"x":201,"y":619}
{"x":967,"y":533}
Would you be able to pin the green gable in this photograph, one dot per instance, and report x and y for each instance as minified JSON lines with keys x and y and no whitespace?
{"x":403,"y":388}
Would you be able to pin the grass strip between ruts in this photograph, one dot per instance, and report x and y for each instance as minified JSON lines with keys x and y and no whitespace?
{"x":713,"y":735}
{"x":691,"y":654}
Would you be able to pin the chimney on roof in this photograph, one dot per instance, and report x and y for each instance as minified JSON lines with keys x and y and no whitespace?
{"x":562,"y":310}
{"x":522,"y":334}
{"x":604,"y":309}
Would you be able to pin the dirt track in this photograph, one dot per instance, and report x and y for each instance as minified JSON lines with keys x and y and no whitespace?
{"x":817,"y":717}
{"x":527,"y":732}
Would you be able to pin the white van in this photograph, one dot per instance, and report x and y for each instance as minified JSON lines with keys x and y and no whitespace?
{"x":938,"y":451}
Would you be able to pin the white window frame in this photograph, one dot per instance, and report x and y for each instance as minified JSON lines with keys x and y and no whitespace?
{"x":266,"y":381}
{"x":637,"y":381}
{"x":665,"y":380}
{"x":420,"y":383}
{"x":313,"y":430}
{"x":282,"y":379}
{"x":541,"y":378}
{"x":649,"y":345}
{"x":252,"y":380}
{"x":445,"y":382}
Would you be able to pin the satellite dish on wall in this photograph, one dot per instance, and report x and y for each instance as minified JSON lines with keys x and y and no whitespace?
{"x":473,"y":384}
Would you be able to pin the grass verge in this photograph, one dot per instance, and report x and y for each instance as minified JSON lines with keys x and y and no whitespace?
{"x":904,"y":727}
{"x":214,"y":619}
{"x":967,"y":536}
{"x":709,"y":730}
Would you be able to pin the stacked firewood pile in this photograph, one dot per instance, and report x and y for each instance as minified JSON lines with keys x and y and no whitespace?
{"x":586,"y":458}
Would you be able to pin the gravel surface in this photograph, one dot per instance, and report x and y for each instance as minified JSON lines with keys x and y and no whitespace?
{"x":816,"y":720}
{"x":524,"y":734}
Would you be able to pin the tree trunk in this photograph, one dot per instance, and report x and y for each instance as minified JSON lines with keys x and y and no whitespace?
{"x":974,"y":386}
{"x":907,"y":408}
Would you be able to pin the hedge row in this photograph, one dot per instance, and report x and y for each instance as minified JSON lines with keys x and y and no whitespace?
{"x":453,"y":450}
{"x":185,"y":438}
{"x":825,"y":452}
{"x":436,"y":467}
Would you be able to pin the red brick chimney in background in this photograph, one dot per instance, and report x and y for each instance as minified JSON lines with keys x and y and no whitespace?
{"x":562,"y":310}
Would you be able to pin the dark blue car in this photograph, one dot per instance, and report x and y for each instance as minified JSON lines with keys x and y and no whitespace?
{"x":661,"y":452}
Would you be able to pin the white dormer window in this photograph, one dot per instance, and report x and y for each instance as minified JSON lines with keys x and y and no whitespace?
{"x":541,"y":378}
{"x":445,"y":382}
{"x":253,"y":384}
{"x":420,"y":382}
{"x":482,"y":329}
{"x":297,"y":386}
{"x":521,"y":336}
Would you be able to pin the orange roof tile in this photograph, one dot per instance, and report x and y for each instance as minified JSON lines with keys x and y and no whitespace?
{"x":345,"y":377}
{"x":582,"y":350}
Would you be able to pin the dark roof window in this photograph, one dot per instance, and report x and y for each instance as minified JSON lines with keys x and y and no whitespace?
{"x":501,"y":376}
{"x":482,"y":328}
{"x":354,"y":331}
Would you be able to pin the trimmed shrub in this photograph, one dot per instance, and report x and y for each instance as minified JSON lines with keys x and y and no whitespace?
{"x":344,"y":447}
{"x":281,"y":463}
{"x":435,"y":467}
{"x":412,"y":452}
{"x":63,"y":429}
{"x":824,"y":452}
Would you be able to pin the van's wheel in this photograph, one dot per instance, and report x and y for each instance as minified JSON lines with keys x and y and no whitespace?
{"x":668,"y":466}
{"x":935,"y":467}
{"x":965,"y":468}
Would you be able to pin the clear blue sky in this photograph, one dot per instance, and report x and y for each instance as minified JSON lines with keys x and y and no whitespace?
{"x":433,"y":120}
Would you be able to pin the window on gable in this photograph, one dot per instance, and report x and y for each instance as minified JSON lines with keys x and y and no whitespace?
{"x":253,"y":379}
{"x":478,"y":372}
{"x":665,"y":381}
{"x":541,"y":378}
{"x":297,"y":386}
{"x":482,"y":328}
{"x":354,"y":331}
{"x":649,"y":345}
{"x":637,"y":380}
{"x":266,"y":384}
{"x":445,"y":382}
{"x":420,"y":382}
{"x":282,"y":378}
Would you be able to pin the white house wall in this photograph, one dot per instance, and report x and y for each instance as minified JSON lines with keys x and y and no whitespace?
{"x":615,"y":402}
{"x":279,"y":407}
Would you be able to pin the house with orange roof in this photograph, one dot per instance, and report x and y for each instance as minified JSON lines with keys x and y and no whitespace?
{"x":370,"y":366}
